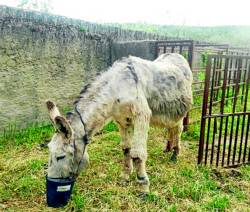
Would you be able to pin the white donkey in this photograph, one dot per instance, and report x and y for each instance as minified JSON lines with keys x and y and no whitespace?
{"x":134,"y":93}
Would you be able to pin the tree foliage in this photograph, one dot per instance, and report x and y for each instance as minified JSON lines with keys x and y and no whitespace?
{"x":38,"y":5}
{"x":238,"y":36}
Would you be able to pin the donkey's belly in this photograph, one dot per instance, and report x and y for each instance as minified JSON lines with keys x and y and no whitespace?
{"x":163,"y":121}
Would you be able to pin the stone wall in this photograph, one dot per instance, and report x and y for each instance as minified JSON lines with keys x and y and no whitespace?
{"x":42,"y":57}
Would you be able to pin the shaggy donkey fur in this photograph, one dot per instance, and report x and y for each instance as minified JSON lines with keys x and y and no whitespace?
{"x":134,"y":93}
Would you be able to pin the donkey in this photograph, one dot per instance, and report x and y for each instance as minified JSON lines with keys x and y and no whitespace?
{"x":134,"y":93}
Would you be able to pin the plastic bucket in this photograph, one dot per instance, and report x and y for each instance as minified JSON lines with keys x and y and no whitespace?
{"x":58,"y":191}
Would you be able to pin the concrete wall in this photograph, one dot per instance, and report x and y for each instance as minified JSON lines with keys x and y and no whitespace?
{"x":50,"y":57}
{"x":41,"y":58}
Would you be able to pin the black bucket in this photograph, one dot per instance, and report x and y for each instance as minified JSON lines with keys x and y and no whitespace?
{"x":58,"y":191}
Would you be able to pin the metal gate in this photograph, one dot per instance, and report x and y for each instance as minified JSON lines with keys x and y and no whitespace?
{"x":225,"y":120}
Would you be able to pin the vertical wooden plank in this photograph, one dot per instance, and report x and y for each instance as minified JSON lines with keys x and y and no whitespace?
{"x":211,"y":87}
{"x":236,"y":139}
{"x":204,"y":111}
{"x":213,"y":141}
{"x":246,"y":88}
{"x":224,"y":143}
{"x":248,"y":120}
{"x":222,"y":106}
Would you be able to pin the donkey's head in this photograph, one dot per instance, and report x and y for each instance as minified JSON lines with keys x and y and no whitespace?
{"x":65,"y":149}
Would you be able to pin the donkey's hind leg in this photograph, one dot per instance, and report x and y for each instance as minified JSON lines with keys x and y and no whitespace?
{"x":169,"y":143}
{"x":174,"y":139}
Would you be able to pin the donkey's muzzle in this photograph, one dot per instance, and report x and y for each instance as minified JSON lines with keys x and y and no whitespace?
{"x":58,"y":191}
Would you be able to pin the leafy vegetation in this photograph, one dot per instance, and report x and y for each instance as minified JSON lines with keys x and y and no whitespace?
{"x":234,"y":35}
{"x":180,"y":186}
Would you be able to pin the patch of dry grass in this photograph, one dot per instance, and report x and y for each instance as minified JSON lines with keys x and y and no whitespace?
{"x":181,"y":186}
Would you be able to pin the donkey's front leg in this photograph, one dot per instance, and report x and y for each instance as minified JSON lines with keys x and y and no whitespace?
{"x":142,"y":177}
{"x":128,"y":165}
{"x":126,"y":137}
{"x":139,"y":149}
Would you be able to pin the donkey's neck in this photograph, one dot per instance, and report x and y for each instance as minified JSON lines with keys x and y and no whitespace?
{"x":95,"y":106}
{"x":95,"y":118}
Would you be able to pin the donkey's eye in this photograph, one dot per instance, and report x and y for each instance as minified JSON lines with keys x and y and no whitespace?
{"x":60,"y":157}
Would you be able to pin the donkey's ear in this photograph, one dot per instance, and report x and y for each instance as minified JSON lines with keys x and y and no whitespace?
{"x":63,"y":126}
{"x":53,"y":110}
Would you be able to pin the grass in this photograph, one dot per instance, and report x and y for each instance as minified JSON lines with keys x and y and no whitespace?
{"x":27,"y":137}
{"x":180,"y":186}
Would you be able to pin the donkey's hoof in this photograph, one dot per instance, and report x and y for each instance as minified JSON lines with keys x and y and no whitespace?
{"x":173,"y":158}
{"x":124,"y":183}
{"x":143,"y":195}
{"x":168,"y":147}
{"x":124,"y":180}
{"x":166,"y":150}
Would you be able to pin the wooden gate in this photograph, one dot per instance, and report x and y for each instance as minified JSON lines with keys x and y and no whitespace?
{"x":196,"y":54}
{"x":184,"y":47}
{"x":225,"y":120}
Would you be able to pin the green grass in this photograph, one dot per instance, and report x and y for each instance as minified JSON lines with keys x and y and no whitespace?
{"x":110,"y":128}
{"x":27,"y":137}
{"x":180,"y":186}
{"x":219,"y":203}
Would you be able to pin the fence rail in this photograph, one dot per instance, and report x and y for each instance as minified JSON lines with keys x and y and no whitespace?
{"x":225,"y":119}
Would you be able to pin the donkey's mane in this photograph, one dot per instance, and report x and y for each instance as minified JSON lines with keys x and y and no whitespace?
{"x":91,"y":89}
